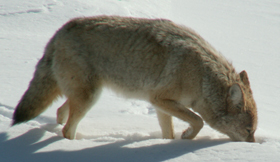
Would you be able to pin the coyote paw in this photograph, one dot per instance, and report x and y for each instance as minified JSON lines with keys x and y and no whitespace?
{"x":188,"y":134}
{"x":68,"y":133}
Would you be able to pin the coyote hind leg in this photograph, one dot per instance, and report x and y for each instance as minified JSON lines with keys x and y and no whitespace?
{"x":81,"y":94}
{"x":63,"y":113}
{"x":78,"y":107}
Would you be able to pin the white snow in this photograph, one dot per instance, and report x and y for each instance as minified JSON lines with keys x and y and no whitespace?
{"x":118,"y":129}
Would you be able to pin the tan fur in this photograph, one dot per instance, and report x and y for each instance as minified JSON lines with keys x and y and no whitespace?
{"x":154,"y":60}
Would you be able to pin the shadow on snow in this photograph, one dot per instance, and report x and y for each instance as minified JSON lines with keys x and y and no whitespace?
{"x":24,"y":147}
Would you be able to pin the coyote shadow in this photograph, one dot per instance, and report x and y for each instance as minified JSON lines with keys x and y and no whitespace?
{"x":24,"y":147}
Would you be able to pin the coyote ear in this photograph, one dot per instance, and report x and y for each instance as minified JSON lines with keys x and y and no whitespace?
{"x":244,"y":77}
{"x":235,"y":94}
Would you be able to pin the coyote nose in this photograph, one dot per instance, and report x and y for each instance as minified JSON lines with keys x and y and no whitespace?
{"x":251,"y":138}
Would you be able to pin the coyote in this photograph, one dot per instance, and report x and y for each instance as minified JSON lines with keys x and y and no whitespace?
{"x":155,"y":60}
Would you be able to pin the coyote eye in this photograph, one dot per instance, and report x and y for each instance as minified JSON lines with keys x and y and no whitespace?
{"x":249,"y":130}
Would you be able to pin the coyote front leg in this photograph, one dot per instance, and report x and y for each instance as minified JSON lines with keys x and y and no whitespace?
{"x":176,"y":109}
{"x":166,"y":124}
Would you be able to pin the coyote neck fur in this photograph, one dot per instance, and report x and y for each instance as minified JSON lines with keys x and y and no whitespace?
{"x":218,"y":76}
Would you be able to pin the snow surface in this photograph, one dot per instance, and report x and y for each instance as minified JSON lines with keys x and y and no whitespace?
{"x":118,"y":129}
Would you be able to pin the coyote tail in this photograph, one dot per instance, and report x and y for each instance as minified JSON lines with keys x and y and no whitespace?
{"x":42,"y":90}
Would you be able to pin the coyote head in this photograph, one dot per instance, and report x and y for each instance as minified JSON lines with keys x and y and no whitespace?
{"x":240,"y":121}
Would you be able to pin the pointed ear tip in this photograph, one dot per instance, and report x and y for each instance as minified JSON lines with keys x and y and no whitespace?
{"x":243,"y":72}
{"x":244,"y":77}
